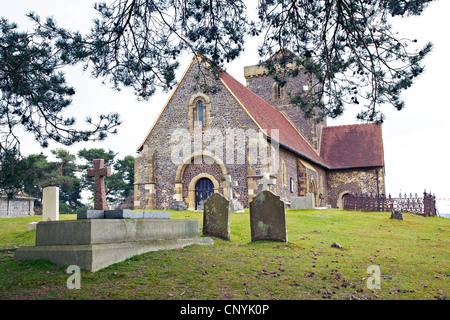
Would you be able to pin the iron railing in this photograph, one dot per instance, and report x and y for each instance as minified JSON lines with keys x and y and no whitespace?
{"x":425,"y":206}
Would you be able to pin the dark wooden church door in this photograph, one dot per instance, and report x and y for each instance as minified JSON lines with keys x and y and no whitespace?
{"x":203,"y":189}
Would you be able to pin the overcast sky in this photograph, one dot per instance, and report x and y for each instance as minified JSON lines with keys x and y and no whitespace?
{"x":416,"y":139}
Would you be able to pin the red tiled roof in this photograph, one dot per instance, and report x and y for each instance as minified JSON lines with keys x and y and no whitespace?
{"x":268,"y":118}
{"x":352,"y":146}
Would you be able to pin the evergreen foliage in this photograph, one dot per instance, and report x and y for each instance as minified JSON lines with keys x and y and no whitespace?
{"x":349,"y":46}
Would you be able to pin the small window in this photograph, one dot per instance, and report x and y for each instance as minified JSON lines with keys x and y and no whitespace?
{"x":292,"y":185}
{"x":278,"y":91}
{"x":200,"y":113}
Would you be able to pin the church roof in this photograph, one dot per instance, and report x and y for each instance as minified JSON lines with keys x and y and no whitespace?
{"x":268,"y":118}
{"x":349,"y":146}
{"x":352,"y":146}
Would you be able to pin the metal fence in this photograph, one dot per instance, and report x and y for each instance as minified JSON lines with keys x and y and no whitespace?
{"x":425,"y":206}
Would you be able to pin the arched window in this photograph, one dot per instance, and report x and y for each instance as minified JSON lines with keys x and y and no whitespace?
{"x":200,"y":113}
{"x":278,"y":91}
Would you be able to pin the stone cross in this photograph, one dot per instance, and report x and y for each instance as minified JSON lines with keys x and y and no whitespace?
{"x":266,"y":181}
{"x":99,"y":173}
{"x":229,"y":184}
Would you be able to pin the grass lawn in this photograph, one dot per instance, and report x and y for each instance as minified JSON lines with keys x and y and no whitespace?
{"x":413,"y":256}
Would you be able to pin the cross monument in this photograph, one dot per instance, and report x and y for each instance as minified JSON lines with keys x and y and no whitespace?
{"x":99,"y":173}
{"x":229,"y":185}
{"x":266,"y":181}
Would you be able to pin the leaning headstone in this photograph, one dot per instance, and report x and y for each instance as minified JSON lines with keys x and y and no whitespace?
{"x":216,"y":217}
{"x":50,"y":204}
{"x":268,"y":217}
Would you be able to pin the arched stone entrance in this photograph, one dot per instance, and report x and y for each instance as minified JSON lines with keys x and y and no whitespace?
{"x":204,"y":188}
{"x":340,"y":199}
{"x":185,"y":183}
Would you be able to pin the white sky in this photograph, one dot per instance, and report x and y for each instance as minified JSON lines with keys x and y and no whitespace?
{"x":416,"y":139}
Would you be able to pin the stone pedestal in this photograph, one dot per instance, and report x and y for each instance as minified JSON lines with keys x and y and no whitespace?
{"x":94,"y":244}
{"x":121,"y":214}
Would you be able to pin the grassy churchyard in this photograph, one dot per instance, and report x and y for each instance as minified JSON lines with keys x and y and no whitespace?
{"x":412,"y":255}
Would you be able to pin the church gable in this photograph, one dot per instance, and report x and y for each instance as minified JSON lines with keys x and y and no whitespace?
{"x":188,"y":105}
{"x":190,"y":112}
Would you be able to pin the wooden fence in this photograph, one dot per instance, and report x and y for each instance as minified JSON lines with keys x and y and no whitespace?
{"x":425,"y":206}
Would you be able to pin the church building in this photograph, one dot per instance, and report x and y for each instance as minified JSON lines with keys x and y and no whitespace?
{"x":247,"y":132}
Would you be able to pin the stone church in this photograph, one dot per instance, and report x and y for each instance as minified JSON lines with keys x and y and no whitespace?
{"x":247,"y":132}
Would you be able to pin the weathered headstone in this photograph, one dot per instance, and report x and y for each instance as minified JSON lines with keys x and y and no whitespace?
{"x":178,"y":206}
{"x":50,"y":204}
{"x":99,"y":173}
{"x":266,"y":181}
{"x":216,"y":217}
{"x":302,"y":203}
{"x":32,"y":226}
{"x":268,"y":217}
{"x":396,"y":214}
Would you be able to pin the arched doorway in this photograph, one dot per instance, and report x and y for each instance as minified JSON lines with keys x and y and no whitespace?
{"x":341,"y":199}
{"x":204,"y":188}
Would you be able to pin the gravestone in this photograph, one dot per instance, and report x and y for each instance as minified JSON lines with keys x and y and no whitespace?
{"x":178,"y":206}
{"x":201,"y":205}
{"x":235,"y":205}
{"x":396,"y":214}
{"x":268,"y":217}
{"x":302,"y":203}
{"x":99,"y":173}
{"x":50,"y":204}
{"x":216,"y":217}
